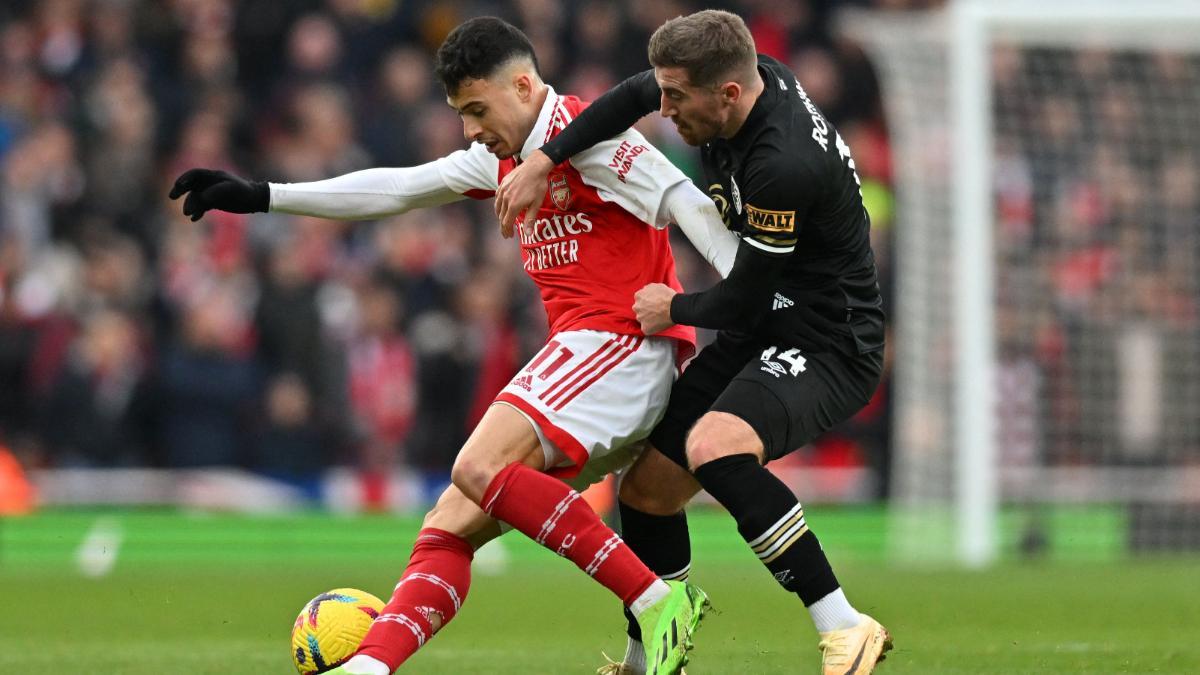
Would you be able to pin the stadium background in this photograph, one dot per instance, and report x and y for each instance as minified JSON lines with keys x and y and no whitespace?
{"x":374,"y":345}
{"x":221,"y":419}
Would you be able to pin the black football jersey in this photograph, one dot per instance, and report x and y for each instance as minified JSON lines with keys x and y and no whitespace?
{"x":785,"y":184}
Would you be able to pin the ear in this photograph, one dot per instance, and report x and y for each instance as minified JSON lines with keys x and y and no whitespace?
{"x":523,"y":83}
{"x":730,"y":92}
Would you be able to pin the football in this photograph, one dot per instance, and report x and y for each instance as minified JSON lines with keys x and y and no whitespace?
{"x":330,"y":628}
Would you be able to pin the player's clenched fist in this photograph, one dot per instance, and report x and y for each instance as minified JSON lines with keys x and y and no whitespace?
{"x":652,"y":305}
{"x":211,"y":189}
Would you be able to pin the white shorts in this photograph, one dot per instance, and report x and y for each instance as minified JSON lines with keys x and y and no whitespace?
{"x":593,"y":397}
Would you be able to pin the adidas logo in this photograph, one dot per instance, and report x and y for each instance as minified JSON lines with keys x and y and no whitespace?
{"x":670,"y":641}
{"x":781,"y":302}
{"x":524,"y":382}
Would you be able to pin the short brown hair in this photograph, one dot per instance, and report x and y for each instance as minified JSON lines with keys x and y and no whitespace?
{"x":712,"y":46}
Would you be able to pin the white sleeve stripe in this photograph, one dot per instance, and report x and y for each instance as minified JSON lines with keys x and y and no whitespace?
{"x":768,"y":247}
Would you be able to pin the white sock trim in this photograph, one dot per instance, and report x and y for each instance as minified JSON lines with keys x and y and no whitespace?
{"x":361,"y":664}
{"x":833,"y":612}
{"x":657,"y":591}
{"x":678,"y":575}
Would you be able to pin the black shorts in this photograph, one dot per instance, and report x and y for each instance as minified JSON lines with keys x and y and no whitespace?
{"x":788,"y":396}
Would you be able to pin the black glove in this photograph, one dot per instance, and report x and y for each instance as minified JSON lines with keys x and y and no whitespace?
{"x":209,"y":189}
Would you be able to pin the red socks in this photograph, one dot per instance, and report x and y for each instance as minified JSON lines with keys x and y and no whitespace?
{"x":438,"y":575}
{"x":555,"y":516}
{"x":435,"y":583}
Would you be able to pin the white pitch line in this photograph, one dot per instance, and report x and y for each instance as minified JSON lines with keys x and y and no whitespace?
{"x":97,"y":553}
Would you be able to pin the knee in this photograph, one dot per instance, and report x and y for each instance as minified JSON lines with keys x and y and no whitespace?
{"x":701,"y":450}
{"x":719,"y":434}
{"x":472,"y":475}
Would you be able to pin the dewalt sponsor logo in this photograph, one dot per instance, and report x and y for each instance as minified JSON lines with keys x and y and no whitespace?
{"x":770,"y":221}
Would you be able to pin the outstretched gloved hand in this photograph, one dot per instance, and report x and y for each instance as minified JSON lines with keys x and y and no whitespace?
{"x":212,"y":189}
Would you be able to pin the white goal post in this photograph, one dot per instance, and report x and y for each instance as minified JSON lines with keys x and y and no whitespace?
{"x":964,"y":141}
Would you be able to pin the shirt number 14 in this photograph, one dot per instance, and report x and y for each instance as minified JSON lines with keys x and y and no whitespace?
{"x":792,"y":357}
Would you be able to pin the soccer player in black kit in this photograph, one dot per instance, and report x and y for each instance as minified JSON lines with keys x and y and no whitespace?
{"x":800,"y":321}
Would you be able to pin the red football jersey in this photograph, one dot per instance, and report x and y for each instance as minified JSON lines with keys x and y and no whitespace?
{"x":599,"y":236}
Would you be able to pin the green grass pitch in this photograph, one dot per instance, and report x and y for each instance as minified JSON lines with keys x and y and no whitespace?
{"x":217,"y":594}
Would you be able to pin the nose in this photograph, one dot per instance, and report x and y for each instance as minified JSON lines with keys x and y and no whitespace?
{"x":470,"y":130}
{"x":664,"y":106}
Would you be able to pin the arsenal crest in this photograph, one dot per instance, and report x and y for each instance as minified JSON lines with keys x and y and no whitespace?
{"x":560,"y":192}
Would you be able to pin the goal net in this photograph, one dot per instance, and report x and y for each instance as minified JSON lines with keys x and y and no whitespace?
{"x":1047,"y":256}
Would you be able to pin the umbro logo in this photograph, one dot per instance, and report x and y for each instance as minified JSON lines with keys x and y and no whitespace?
{"x":773,"y":368}
{"x":781,"y":302}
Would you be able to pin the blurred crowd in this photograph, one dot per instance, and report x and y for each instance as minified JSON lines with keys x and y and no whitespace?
{"x":1097,"y":208}
{"x":130,"y":336}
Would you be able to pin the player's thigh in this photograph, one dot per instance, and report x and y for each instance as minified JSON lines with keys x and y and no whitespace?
{"x":657,"y":485}
{"x":591,"y":395}
{"x":789,"y":397}
{"x":598,"y":467}
{"x":702,"y":382}
{"x":455,"y":513}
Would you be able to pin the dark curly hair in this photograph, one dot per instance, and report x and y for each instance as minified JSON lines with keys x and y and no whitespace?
{"x":476,"y":48}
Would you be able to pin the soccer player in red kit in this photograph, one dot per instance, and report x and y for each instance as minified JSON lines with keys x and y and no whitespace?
{"x":584,"y":403}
